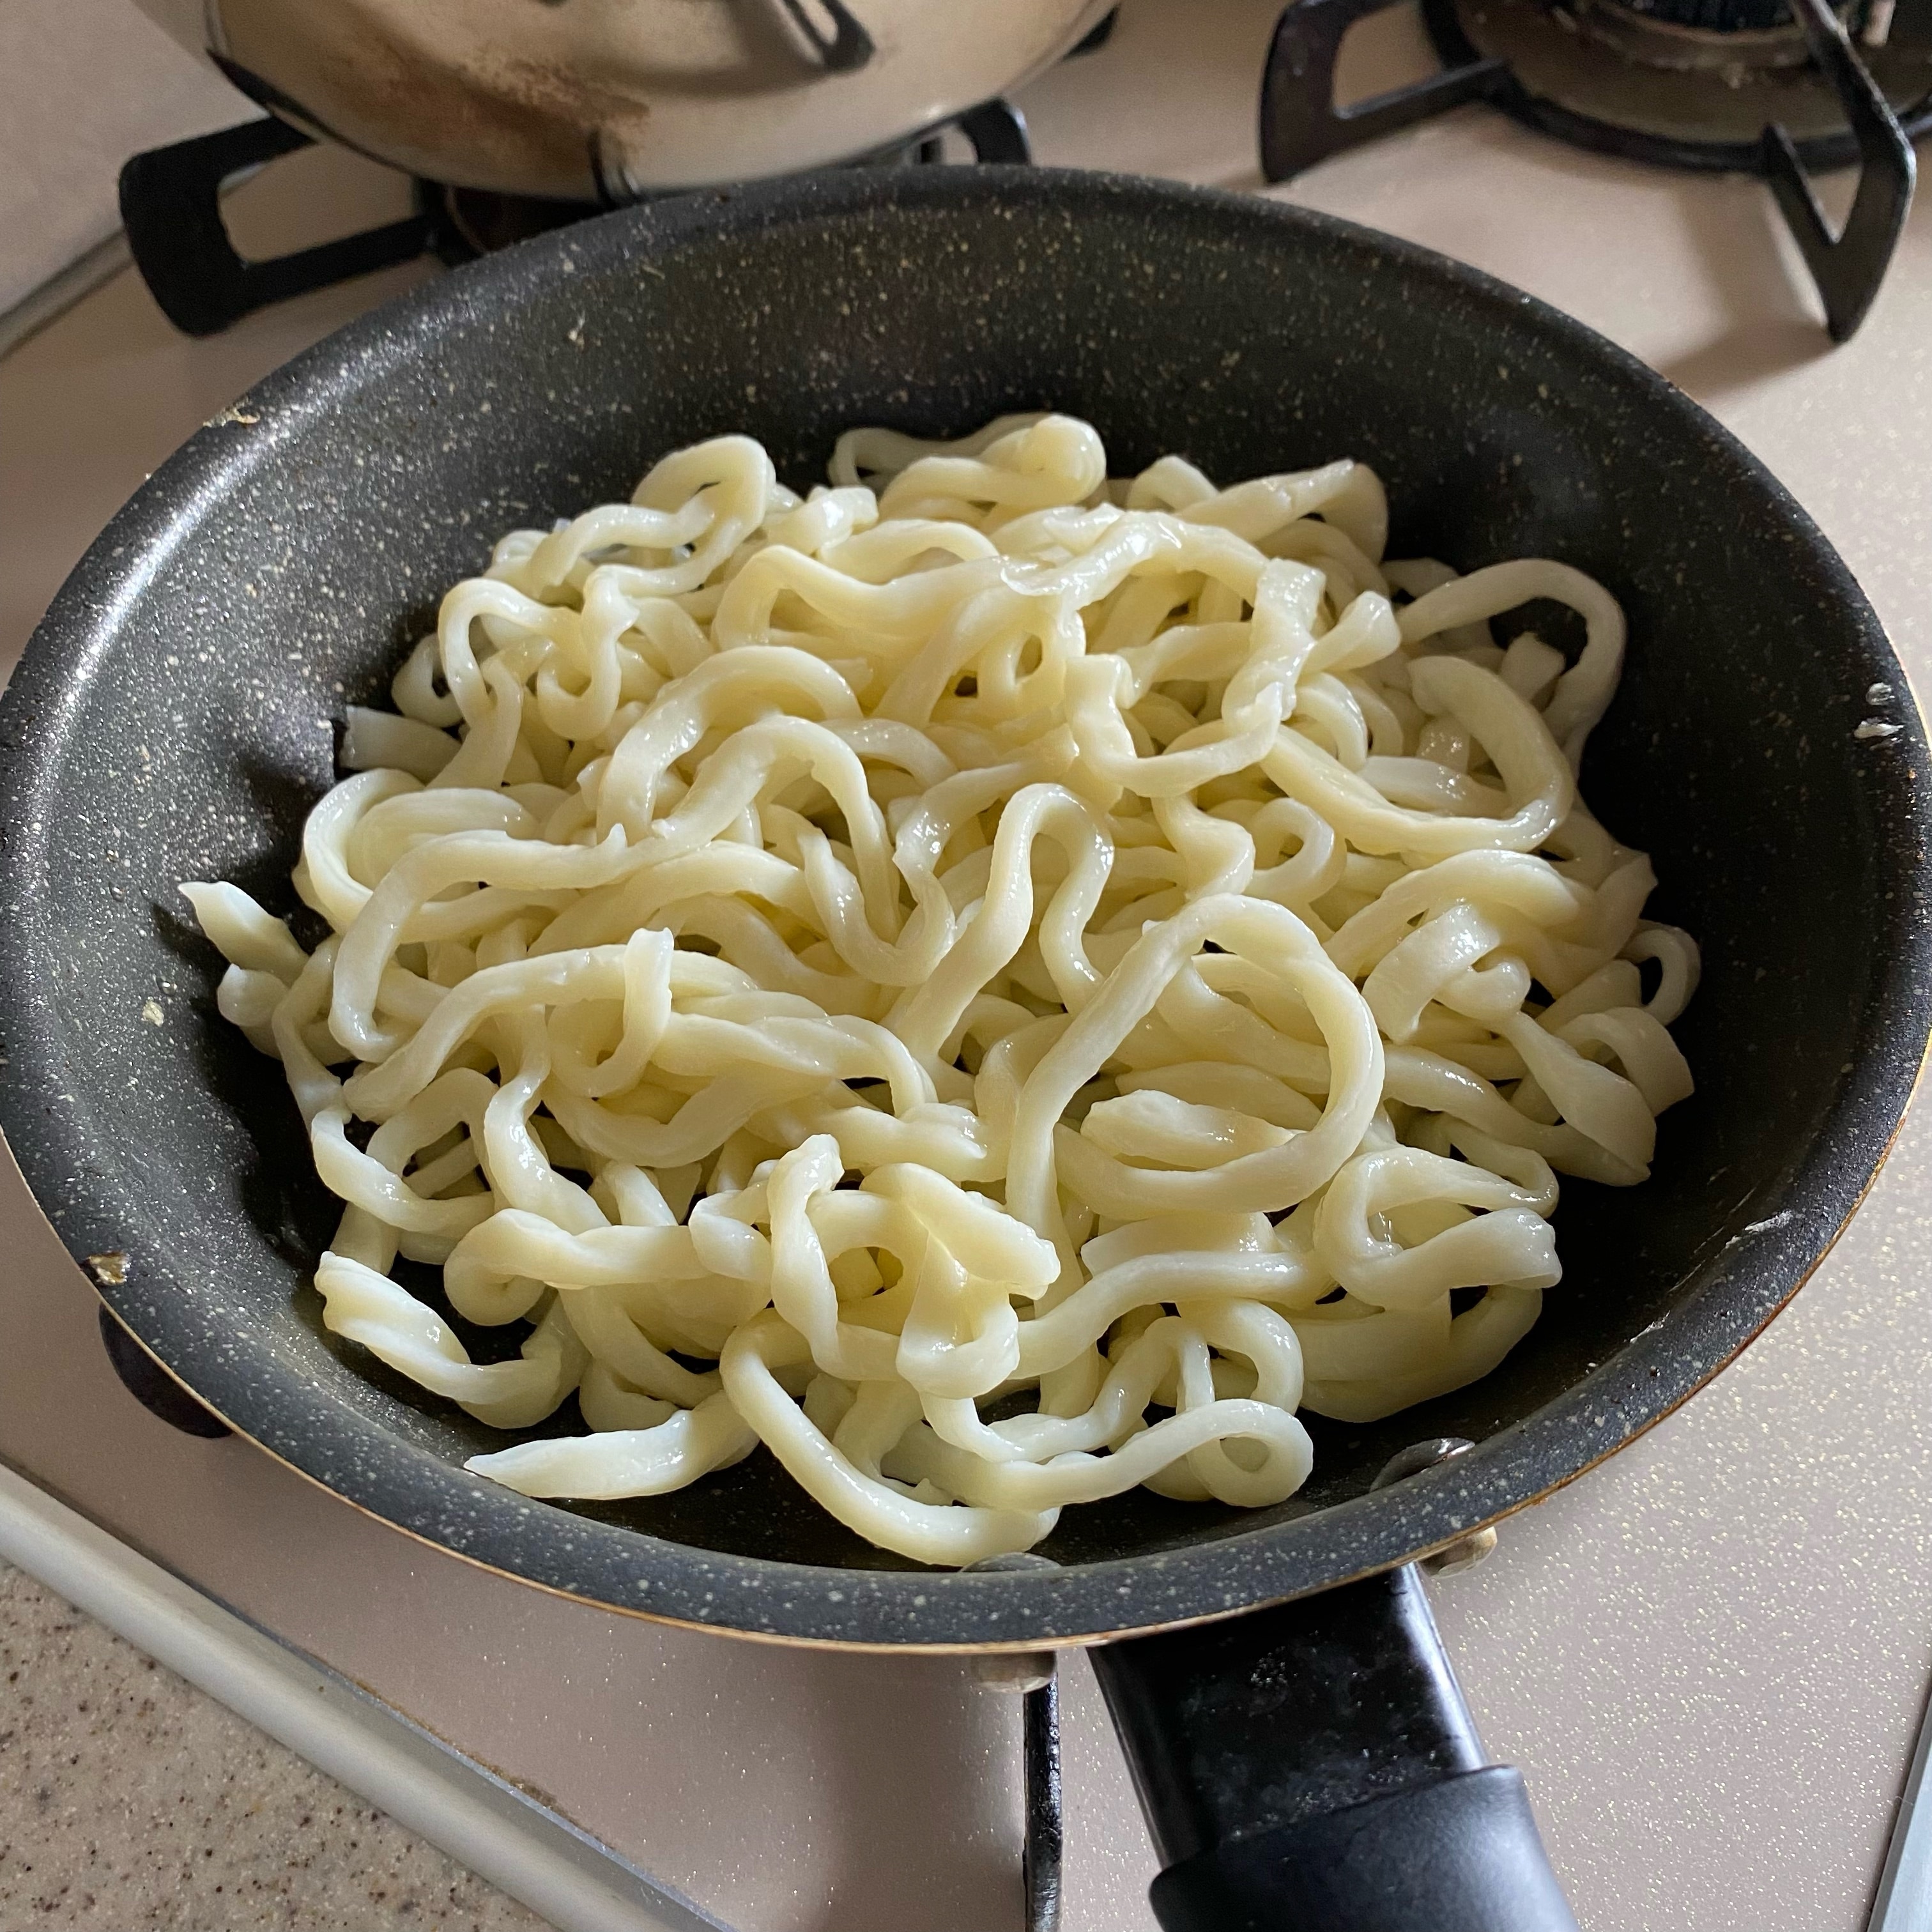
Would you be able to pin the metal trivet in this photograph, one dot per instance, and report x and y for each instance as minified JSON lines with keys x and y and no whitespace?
{"x":1767,"y":87}
{"x":170,"y":197}
{"x":171,"y":208}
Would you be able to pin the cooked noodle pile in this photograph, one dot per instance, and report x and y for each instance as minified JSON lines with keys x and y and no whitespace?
{"x":1001,"y":984}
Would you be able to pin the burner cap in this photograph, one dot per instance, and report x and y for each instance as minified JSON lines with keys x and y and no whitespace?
{"x":1711,"y":16}
{"x":1690,"y":83}
{"x":1732,"y":39}
{"x":467,"y":222}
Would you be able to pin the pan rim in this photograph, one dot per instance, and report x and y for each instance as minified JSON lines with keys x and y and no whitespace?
{"x":545,"y":1545}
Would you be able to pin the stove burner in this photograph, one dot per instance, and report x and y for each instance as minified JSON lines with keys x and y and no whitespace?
{"x":1686,"y":96}
{"x":1728,"y":37}
{"x":1767,"y":87}
{"x":466,"y":222}
{"x":170,"y":206}
{"x":1712,"y":16}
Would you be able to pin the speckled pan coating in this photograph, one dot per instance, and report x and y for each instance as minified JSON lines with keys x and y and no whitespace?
{"x":174,"y":719}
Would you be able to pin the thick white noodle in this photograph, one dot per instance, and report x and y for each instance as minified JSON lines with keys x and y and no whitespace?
{"x":1000,"y":985}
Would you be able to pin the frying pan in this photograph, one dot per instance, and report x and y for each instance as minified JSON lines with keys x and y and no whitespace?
{"x":1309,"y":1763}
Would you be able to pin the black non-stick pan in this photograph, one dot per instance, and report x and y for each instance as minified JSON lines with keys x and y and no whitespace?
{"x":1306,"y":1765}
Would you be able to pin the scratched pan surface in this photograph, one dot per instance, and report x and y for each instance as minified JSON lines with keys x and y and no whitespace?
{"x":174,"y":719}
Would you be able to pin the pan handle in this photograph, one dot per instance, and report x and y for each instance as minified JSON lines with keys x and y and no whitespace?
{"x":1312,"y":1767}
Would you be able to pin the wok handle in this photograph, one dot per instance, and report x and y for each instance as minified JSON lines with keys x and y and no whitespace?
{"x":1313,"y":1767}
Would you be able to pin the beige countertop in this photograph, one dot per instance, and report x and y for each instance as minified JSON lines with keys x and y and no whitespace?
{"x":128,"y":1797}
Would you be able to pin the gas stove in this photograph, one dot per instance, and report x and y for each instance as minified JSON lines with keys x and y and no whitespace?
{"x":1770,"y":87}
{"x":1778,"y":88}
{"x":1708,"y":1657}
{"x":171,"y":209}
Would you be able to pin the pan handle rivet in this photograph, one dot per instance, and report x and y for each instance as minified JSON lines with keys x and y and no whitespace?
{"x":1464,"y":1554}
{"x":1014,"y":1669}
{"x":1466,"y":1551}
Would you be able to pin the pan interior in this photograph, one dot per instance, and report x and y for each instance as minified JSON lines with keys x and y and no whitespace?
{"x":282,"y":572}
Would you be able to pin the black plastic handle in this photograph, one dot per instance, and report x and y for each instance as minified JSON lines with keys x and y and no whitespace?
{"x":1313,"y":1767}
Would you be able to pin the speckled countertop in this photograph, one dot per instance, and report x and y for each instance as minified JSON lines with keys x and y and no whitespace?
{"x":128,"y":1798}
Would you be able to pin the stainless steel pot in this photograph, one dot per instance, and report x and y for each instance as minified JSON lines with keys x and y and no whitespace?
{"x":611,"y":99}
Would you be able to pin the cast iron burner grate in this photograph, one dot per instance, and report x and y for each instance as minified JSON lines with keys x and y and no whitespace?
{"x":171,"y":200}
{"x":171,"y":209}
{"x":1768,"y":87}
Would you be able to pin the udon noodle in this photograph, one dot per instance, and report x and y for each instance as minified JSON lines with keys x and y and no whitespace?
{"x":999,"y":984}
